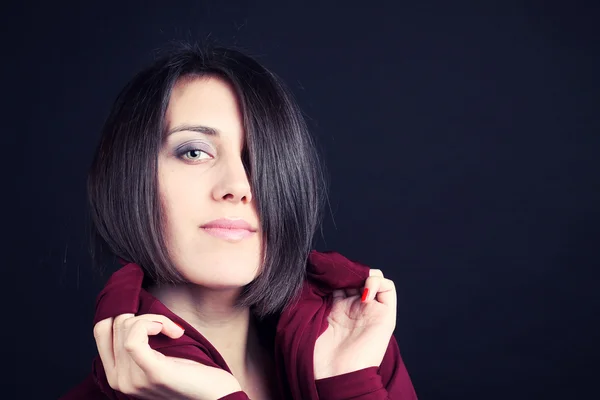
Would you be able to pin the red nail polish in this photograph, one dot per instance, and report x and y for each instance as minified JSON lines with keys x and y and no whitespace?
{"x":365,"y":294}
{"x":179,"y":326}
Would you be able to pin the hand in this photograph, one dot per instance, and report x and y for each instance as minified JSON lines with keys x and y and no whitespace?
{"x":134,"y":368}
{"x":359,"y":332}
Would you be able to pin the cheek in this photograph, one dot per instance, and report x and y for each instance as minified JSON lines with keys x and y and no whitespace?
{"x":171,"y":209}
{"x":177,"y":195}
{"x":175,"y":214}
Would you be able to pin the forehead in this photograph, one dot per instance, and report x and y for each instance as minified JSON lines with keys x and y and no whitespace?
{"x":206,"y":100}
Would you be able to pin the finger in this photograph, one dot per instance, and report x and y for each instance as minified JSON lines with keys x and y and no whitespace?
{"x":376,"y":272}
{"x":339,"y":293}
{"x":182,"y":360}
{"x":352,"y":292}
{"x":120,"y":327}
{"x":381,"y":289}
{"x":136,"y":344}
{"x":103,"y":333}
{"x":170,"y":328}
{"x":124,"y":324}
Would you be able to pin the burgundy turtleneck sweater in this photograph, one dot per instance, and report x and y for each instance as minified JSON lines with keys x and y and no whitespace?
{"x":292,"y":336}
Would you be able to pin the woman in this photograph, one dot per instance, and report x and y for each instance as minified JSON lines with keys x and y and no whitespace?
{"x":206,"y":185}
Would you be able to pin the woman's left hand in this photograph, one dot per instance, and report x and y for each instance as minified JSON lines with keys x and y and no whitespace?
{"x":359,"y":332}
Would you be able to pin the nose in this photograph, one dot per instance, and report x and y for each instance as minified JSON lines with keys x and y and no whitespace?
{"x":233,"y":184}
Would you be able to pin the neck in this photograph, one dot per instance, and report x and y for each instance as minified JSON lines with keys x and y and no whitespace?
{"x":212,"y":313}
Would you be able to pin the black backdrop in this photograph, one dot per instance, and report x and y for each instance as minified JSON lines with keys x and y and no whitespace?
{"x":462,"y":142}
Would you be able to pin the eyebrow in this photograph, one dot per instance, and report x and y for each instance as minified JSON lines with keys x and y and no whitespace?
{"x":207,"y":130}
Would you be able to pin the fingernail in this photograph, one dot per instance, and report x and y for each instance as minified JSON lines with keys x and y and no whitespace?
{"x":179,"y":326}
{"x":365,"y":294}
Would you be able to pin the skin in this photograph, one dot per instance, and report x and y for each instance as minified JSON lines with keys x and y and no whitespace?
{"x":201,"y":178}
{"x":359,"y":331}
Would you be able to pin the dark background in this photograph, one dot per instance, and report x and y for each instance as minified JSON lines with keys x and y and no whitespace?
{"x":462,"y":142}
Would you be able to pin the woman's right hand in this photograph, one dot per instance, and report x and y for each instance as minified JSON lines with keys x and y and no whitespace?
{"x":132,"y":367}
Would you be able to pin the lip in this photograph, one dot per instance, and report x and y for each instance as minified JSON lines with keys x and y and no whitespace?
{"x":232,"y":230}
{"x":229,"y":223}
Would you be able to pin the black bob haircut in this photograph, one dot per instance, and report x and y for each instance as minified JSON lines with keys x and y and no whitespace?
{"x":281,"y":159}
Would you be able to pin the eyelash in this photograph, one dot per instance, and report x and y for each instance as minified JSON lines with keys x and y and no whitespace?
{"x":183,"y":152}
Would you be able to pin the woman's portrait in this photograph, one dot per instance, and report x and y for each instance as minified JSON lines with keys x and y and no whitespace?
{"x":272,"y":201}
{"x":207,"y":177}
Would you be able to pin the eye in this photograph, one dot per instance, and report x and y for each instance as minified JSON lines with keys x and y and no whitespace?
{"x":194,"y":155}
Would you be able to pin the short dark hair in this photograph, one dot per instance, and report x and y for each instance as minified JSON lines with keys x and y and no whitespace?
{"x":281,"y":159}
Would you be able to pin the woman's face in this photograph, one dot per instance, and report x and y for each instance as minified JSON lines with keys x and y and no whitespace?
{"x":201,"y":178}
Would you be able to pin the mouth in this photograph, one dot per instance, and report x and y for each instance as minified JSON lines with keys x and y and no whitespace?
{"x":232,"y":235}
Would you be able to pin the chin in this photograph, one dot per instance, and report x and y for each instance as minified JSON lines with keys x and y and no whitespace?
{"x":222,"y":284}
{"x":220,"y":269}
{"x":221,"y":279}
